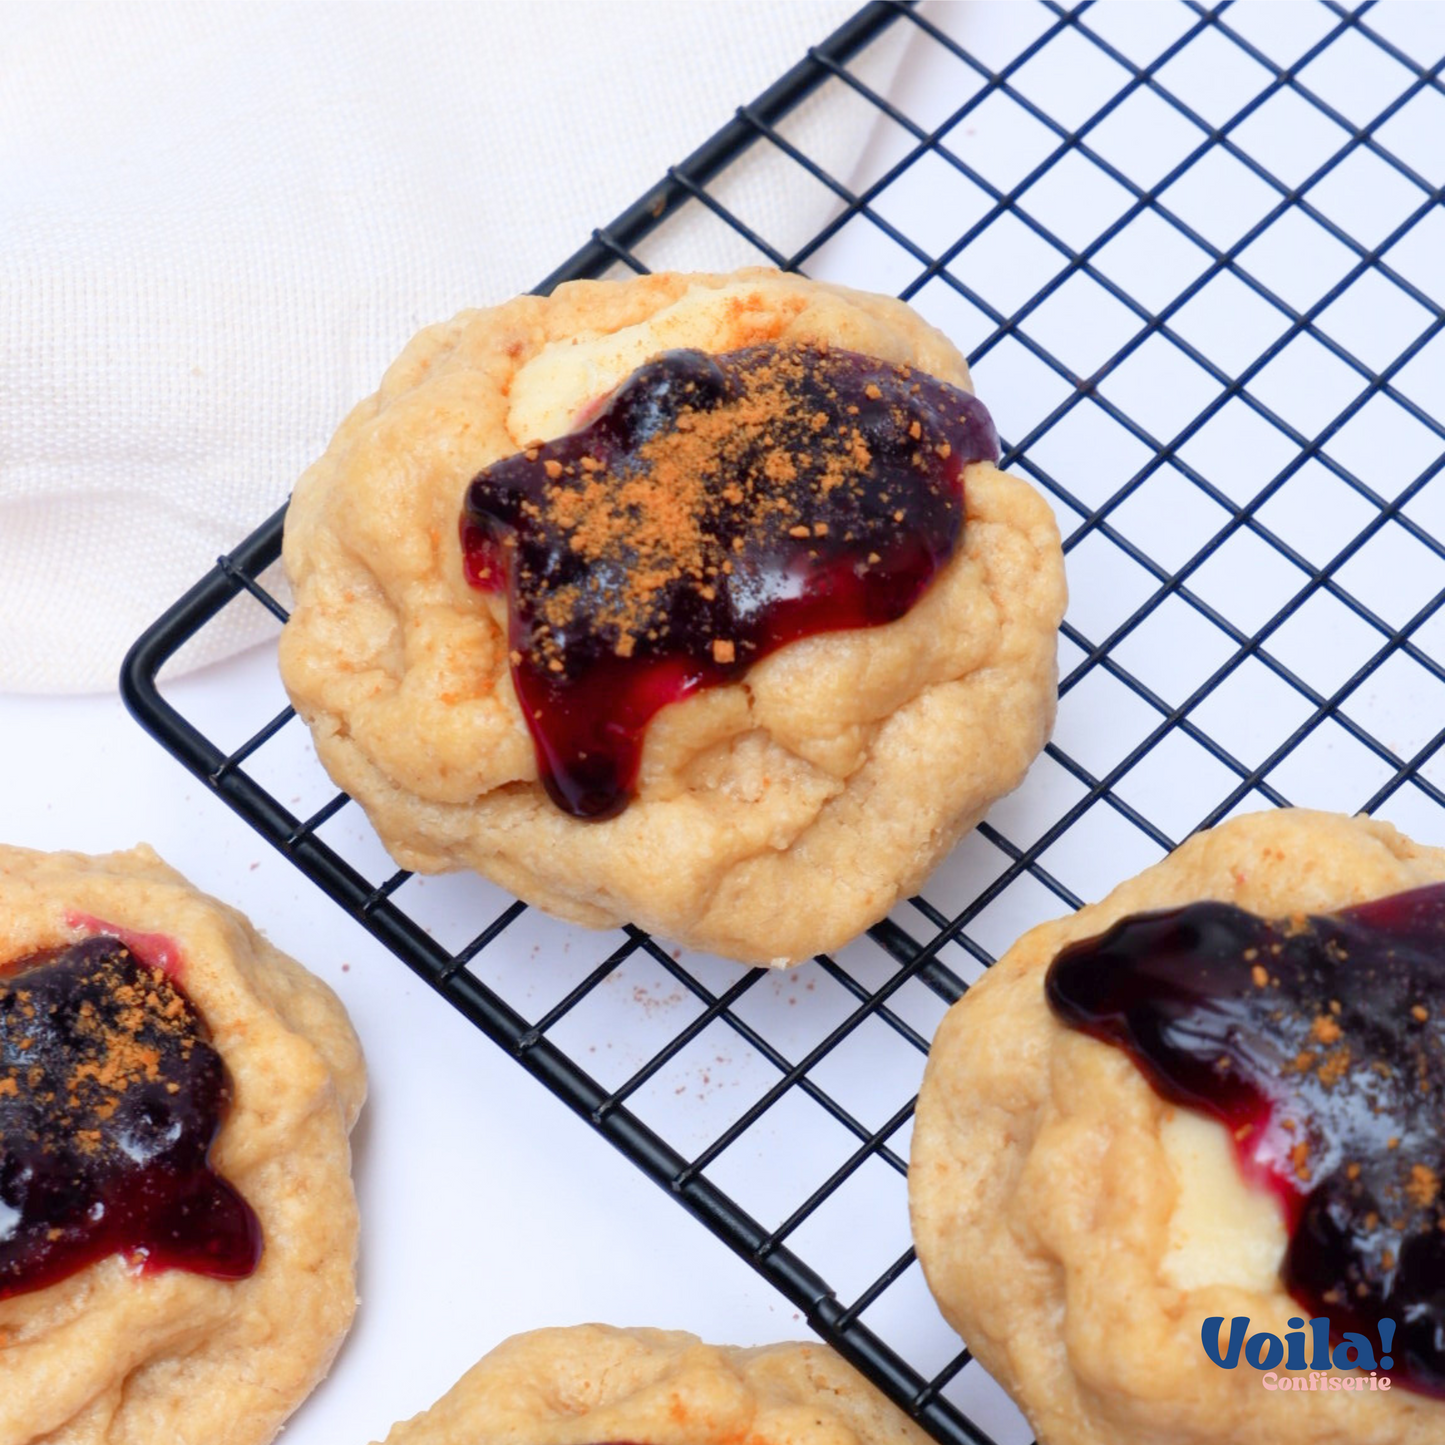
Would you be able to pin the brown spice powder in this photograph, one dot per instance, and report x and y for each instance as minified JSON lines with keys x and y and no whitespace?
{"x":649,"y":523}
{"x":114,"y":1050}
{"x":1423,"y":1186}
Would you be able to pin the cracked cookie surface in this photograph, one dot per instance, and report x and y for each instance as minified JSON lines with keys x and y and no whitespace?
{"x":773,"y":817}
{"x":599,"y":1385}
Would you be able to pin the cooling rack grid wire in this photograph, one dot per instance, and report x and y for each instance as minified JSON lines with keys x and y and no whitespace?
{"x":1197,"y":260}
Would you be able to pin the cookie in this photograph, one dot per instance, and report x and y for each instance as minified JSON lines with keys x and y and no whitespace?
{"x":690,"y":601}
{"x":595,"y":1383}
{"x":177,"y":1258}
{"x":1165,"y":1138}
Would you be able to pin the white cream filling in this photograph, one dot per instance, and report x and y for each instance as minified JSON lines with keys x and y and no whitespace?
{"x":553,"y":387}
{"x":1224,"y":1230}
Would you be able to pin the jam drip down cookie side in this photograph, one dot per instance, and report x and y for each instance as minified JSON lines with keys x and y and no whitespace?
{"x":1319,"y":1042}
{"x":110,"y":1098}
{"x":713,"y":509}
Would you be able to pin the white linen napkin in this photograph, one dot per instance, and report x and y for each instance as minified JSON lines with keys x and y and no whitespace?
{"x":219,"y":223}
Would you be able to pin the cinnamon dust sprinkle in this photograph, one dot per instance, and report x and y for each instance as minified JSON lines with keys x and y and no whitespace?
{"x":113,"y":1049}
{"x":1299,"y":1159}
{"x":1423,"y":1186}
{"x":701,"y":503}
{"x":647,"y":527}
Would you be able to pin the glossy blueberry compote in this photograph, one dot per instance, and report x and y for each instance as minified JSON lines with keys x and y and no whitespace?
{"x":1320,"y":1042}
{"x":711,"y":510}
{"x":110,"y":1097}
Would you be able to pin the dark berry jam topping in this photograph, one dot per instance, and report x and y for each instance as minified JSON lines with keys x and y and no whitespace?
{"x":712,"y":510}
{"x":110,"y":1097}
{"x":1320,"y":1042}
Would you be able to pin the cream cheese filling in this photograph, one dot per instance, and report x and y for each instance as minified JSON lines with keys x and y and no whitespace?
{"x":551,"y":389}
{"x":1224,"y":1230}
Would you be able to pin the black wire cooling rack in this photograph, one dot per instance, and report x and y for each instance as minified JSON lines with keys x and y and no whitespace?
{"x":1197,"y":259}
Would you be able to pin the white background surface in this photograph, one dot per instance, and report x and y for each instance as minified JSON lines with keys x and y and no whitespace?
{"x":487,"y":1207}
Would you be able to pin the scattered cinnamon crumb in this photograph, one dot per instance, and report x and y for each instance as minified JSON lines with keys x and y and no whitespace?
{"x":1334,"y":1068}
{"x":1423,"y":1186}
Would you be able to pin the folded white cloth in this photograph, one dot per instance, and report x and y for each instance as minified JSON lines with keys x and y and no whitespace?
{"x":218,"y":223}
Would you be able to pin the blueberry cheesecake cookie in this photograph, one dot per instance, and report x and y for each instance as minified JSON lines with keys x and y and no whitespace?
{"x":1177,"y":1159}
{"x":177,"y":1225}
{"x":691,"y":601}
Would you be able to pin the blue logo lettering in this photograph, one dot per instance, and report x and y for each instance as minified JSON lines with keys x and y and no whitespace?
{"x":1265,"y":1351}
{"x":1230,"y":1358}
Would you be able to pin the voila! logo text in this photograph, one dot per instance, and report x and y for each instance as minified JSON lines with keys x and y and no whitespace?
{"x":1301,"y":1351}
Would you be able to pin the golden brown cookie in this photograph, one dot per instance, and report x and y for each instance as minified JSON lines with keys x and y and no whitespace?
{"x":139,"y":1014}
{"x":773,"y":817}
{"x":595,"y":1383}
{"x":1078,"y":1230}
